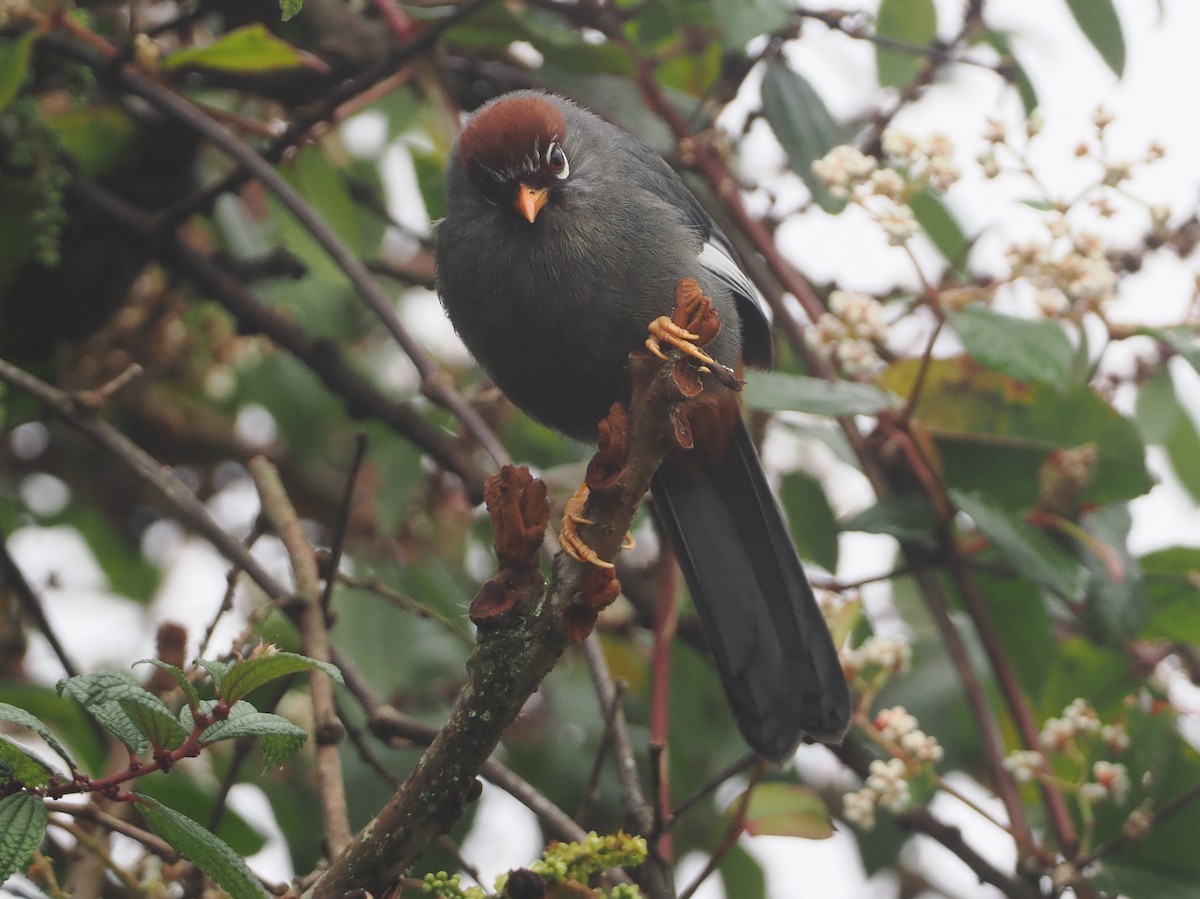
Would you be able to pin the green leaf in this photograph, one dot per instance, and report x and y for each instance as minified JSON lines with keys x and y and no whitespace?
{"x":940,"y":227}
{"x":741,"y":20}
{"x":22,"y":765}
{"x":778,"y":392}
{"x":1098,"y":21}
{"x":1033,"y":351}
{"x":1025,"y":88}
{"x":810,"y":519}
{"x":100,"y":694}
{"x":803,"y":124}
{"x":14,"y":715}
{"x":100,"y":139}
{"x":23,"y":820}
{"x":251,"y":674}
{"x":1163,"y":420}
{"x":902,"y":517}
{"x":1172,"y":579}
{"x":289,"y":8}
{"x":14,"y":65}
{"x":278,"y":737}
{"x":1172,"y":770}
{"x":67,"y":718}
{"x":1030,"y":551}
{"x":785,"y":810}
{"x":203,"y":849}
{"x":251,"y":48}
{"x":912,"y":22}
{"x":217,"y":670}
{"x":178,"y":675}
{"x":1116,"y":604}
{"x":194,"y":797}
{"x":151,"y":716}
{"x":1182,"y":340}
{"x":993,"y":434}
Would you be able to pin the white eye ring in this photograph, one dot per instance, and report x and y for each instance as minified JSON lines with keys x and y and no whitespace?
{"x":556,"y":160}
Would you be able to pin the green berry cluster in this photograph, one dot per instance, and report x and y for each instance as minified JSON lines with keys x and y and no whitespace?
{"x":578,"y":861}
{"x":32,"y":153}
{"x":449,"y":886}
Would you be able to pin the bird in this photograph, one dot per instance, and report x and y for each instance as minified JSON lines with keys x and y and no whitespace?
{"x":563,"y":238}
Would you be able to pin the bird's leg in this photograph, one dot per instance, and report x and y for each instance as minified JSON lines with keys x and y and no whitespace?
{"x":693,"y":324}
{"x":575,"y":546}
{"x":664,"y":330}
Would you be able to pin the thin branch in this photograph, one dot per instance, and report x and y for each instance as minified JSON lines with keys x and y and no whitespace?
{"x":315,"y":641}
{"x":321,"y":356}
{"x":168,"y":489}
{"x":31,"y":604}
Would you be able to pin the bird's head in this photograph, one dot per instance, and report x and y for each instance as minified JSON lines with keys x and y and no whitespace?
{"x":512,"y":150}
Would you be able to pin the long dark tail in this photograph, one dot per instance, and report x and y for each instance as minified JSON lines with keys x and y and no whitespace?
{"x":772,"y":648}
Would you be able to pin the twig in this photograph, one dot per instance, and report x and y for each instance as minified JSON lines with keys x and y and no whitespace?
{"x":732,"y":833}
{"x":343,"y":517}
{"x":12,"y":577}
{"x":1014,"y":697}
{"x":315,"y":639}
{"x":321,"y":356}
{"x":168,"y":489}
{"x":388,"y":723}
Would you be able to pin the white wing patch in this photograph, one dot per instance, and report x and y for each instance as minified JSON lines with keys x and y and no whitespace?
{"x":714,"y":258}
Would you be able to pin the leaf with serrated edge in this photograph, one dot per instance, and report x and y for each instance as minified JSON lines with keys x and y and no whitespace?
{"x":151,"y":716}
{"x":99,"y":694}
{"x":20,"y":764}
{"x":178,"y":675}
{"x":278,"y":736}
{"x":203,"y":849}
{"x":251,"y":674}
{"x":14,"y":715}
{"x":23,"y":820}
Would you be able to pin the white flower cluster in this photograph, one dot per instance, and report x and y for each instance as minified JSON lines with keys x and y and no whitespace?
{"x":1024,"y":764}
{"x":927,"y":161}
{"x":891,"y":654}
{"x":897,"y":725}
{"x":1111,"y":782}
{"x":1077,"y":271}
{"x":848,"y":332}
{"x":912,"y":164}
{"x":1078,"y":718}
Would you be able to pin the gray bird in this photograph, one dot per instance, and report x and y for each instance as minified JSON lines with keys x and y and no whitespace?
{"x":564,"y":238}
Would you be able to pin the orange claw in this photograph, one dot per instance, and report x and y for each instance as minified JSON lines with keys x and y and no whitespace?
{"x":575,"y":546}
{"x":664,"y":330}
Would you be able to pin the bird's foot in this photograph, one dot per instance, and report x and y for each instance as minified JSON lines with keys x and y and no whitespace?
{"x":574,"y":544}
{"x":664,"y":330}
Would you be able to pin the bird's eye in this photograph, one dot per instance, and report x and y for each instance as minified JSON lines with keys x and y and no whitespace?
{"x":556,"y":159}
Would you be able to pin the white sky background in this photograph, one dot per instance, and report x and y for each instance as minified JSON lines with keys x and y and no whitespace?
{"x":1153,"y":102}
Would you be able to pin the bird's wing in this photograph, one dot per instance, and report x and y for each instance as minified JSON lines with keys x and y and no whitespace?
{"x":716,"y":253}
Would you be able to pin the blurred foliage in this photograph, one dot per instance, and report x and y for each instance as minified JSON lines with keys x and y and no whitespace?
{"x":1001,"y":454}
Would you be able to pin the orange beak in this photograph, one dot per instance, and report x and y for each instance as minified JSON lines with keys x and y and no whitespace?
{"x":530,"y":201}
